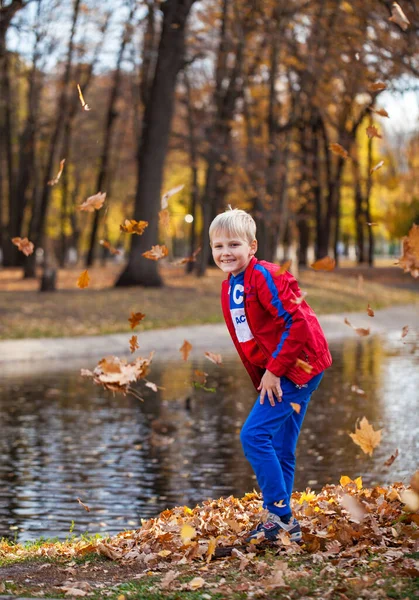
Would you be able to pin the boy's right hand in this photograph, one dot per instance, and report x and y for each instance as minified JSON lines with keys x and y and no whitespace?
{"x":270,"y":384}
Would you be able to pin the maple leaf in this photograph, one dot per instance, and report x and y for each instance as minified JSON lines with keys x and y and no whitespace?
{"x":339,"y":150}
{"x":296,"y":407}
{"x":108,"y":245}
{"x":133,"y":343}
{"x":185,"y":349}
{"x":372,"y":132}
{"x":345,"y":480}
{"x":135,"y":318}
{"x":116,"y":374}
{"x":164,"y":218}
{"x":366,"y":437}
{"x":370,"y":311}
{"x":398,"y":17}
{"x":324,"y":264}
{"x":377,"y":166}
{"x":392,"y":458}
{"x":24,"y":245}
{"x":57,"y":177}
{"x":405,"y":331}
{"x":156,"y":253}
{"x":299,"y":299}
{"x":362,"y":332}
{"x":283,"y":268}
{"x":82,"y":101}
{"x":409,"y":261}
{"x":187,"y":533}
{"x":83,"y":505}
{"x":83,"y":280}
{"x":377,"y":86}
{"x":167,"y":195}
{"x":132,"y":226}
{"x":93,"y":202}
{"x":215,"y":358}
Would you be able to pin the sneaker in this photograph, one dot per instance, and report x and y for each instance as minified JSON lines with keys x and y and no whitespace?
{"x":270,"y":530}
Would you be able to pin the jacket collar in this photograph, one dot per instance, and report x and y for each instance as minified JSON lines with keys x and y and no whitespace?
{"x":247,"y":274}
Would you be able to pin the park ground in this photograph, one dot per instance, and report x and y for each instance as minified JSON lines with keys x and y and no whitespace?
{"x":183,"y":300}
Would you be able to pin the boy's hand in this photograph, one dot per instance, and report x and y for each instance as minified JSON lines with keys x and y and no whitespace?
{"x":270,"y":384}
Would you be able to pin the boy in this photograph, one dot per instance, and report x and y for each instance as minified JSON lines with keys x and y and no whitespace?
{"x":271,"y":328}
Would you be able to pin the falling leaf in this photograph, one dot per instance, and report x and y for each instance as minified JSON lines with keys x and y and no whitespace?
{"x":82,"y":101}
{"x":132,"y":226}
{"x":398,"y":17}
{"x":405,"y":331}
{"x":377,"y":87}
{"x":187,"y":533}
{"x":83,"y":505}
{"x":202,"y":376}
{"x":117,"y":374}
{"x":156,"y":253}
{"x":283,"y":268}
{"x":133,"y":343}
{"x":357,"y":390}
{"x":108,"y":245}
{"x":414,"y":481}
{"x":366,"y":437}
{"x":345,"y":480}
{"x":372,"y":132}
{"x":93,"y":202}
{"x":380,"y":111}
{"x":215,"y":358}
{"x":212,"y":545}
{"x":324,"y":264}
{"x":305,"y":366}
{"x":152,"y":386}
{"x":362,"y":332}
{"x":135,"y":318}
{"x":57,"y":177}
{"x":377,"y":166}
{"x":164,"y":218}
{"x":370,"y":311}
{"x":409,"y":262}
{"x":24,"y":245}
{"x":296,"y":407}
{"x":83,"y":280}
{"x":392,"y":458}
{"x":411,"y":499}
{"x":372,"y":224}
{"x":196,"y":583}
{"x":353,"y":506}
{"x":189,"y":259}
{"x":339,"y":150}
{"x":185,"y":349}
{"x":167,"y":195}
{"x":299,"y":299}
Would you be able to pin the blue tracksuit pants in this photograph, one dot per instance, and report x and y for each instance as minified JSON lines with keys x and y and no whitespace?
{"x":269,"y":438}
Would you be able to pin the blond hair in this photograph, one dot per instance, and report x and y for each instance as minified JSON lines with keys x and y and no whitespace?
{"x":234,"y":223}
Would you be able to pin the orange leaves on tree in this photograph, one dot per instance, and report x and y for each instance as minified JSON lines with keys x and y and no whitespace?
{"x":339,"y":150}
{"x":132,"y":226}
{"x":398,"y":17}
{"x":366,"y":437}
{"x":108,"y":245}
{"x":378,"y":86}
{"x":93,"y":202}
{"x":24,"y":245}
{"x":83,"y":280}
{"x":117,"y":374}
{"x":185,"y":349}
{"x":133,"y":344}
{"x":305,"y":366}
{"x":377,"y":166}
{"x":409,"y":261}
{"x":324,"y":264}
{"x":82,"y":100}
{"x":370,"y":311}
{"x":156,"y":253}
{"x":372,"y":132}
{"x":215,"y":358}
{"x":135,"y":318}
{"x":167,"y":195}
{"x":361,"y":331}
{"x":86,"y":508}
{"x":57,"y":177}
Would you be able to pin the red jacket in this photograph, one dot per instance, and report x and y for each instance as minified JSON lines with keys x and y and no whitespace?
{"x":283,"y":330}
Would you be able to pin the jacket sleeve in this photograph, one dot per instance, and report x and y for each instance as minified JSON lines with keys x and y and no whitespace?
{"x":275,"y":295}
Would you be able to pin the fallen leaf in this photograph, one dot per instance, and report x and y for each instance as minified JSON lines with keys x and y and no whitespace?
{"x":366,"y":437}
{"x":133,"y":343}
{"x":398,"y":17}
{"x":215,"y":358}
{"x":354,"y":507}
{"x":168,"y":579}
{"x":156,"y":253}
{"x":377,"y":87}
{"x":83,"y":280}
{"x":82,"y":101}
{"x":345,"y":480}
{"x":83,"y":505}
{"x":108,"y":245}
{"x":57,"y":177}
{"x":196,"y":583}
{"x":132,"y":226}
{"x":392,"y":458}
{"x":167,"y":195}
{"x":324,"y":264}
{"x":377,"y":166}
{"x":93,"y":202}
{"x":409,"y":261}
{"x":370,"y":311}
{"x":212,"y":545}
{"x":299,"y":299}
{"x":24,"y":245}
{"x":187,"y":533}
{"x":185,"y":349}
{"x":283,"y":268}
{"x":411,"y":499}
{"x":135,"y":318}
{"x":372,"y":132}
{"x":339,"y":150}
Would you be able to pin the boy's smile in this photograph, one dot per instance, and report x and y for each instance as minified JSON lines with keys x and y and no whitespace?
{"x":232,"y":254}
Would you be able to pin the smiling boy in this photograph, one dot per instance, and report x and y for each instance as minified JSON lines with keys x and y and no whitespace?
{"x":274,"y":333}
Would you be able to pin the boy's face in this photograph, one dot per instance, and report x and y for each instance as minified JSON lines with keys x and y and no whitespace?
{"x":232,"y":254}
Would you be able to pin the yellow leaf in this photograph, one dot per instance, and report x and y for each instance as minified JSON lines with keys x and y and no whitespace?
{"x":164,"y":553}
{"x":211,"y":548}
{"x":82,"y":100}
{"x":187,"y":533}
{"x":156,"y":252}
{"x":83,"y":280}
{"x":196,"y":583}
{"x":358,"y":482}
{"x":296,"y":407}
{"x":344,"y":480}
{"x":187,"y":510}
{"x":366,"y":437}
{"x":93,"y":202}
{"x":132,"y":226}
{"x":307,"y":497}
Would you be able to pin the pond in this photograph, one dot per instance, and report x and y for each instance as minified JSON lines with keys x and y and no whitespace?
{"x":63,"y":438}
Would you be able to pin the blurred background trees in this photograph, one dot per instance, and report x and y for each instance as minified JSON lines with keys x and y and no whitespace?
{"x":238,"y":101}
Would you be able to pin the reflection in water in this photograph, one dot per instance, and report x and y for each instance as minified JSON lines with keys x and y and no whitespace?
{"x":64,"y":439}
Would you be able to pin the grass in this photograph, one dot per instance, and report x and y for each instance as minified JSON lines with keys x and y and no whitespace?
{"x":184,"y":300}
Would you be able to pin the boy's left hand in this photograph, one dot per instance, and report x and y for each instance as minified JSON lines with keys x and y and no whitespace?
{"x":270,"y":384}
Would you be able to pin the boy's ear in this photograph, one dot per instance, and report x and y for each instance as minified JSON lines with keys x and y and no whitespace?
{"x":254,"y":247}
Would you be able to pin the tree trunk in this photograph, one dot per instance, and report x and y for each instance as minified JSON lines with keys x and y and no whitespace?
{"x":193,"y":153}
{"x":154,"y":141}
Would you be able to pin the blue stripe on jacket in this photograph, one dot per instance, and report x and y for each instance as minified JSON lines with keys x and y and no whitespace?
{"x":276,"y":302}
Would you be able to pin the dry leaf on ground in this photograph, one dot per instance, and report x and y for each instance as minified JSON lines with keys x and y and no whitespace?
{"x":93,"y":202}
{"x":24,"y":245}
{"x":366,"y":437}
{"x":187,"y":533}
